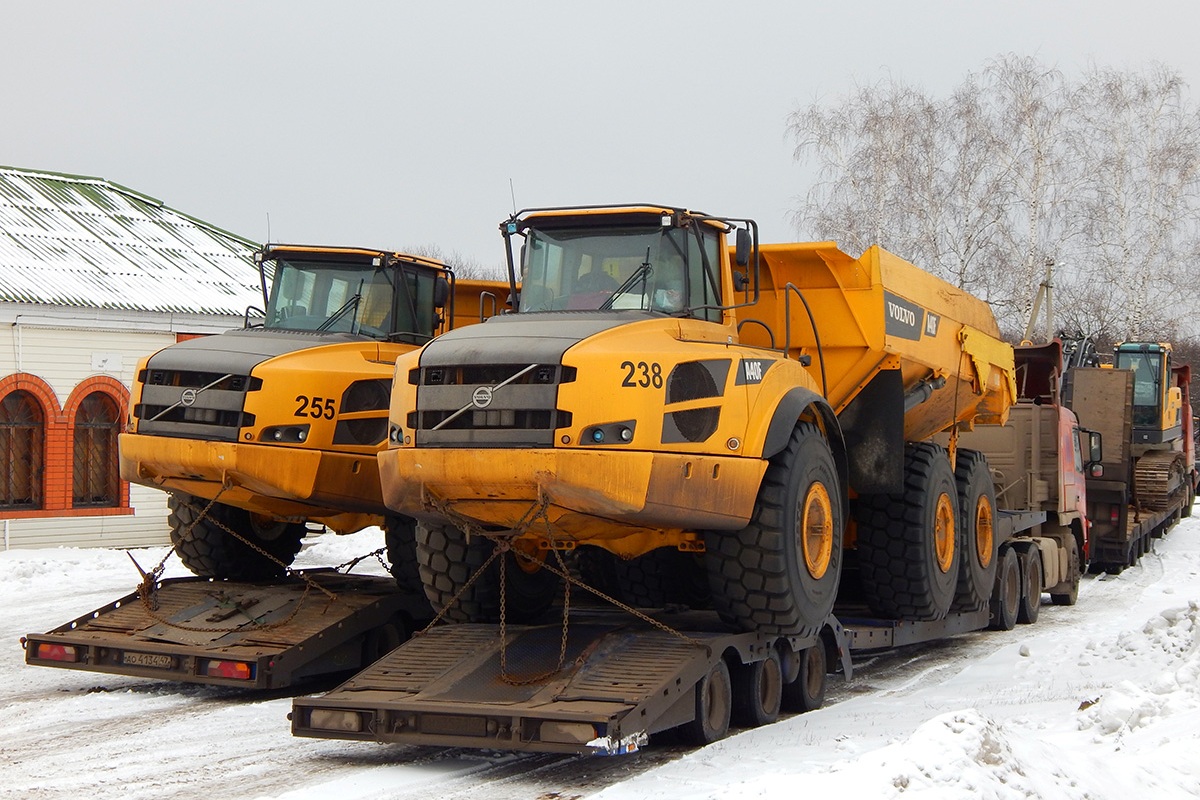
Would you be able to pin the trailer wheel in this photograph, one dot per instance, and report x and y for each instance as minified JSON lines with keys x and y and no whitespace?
{"x":908,"y":550}
{"x":662,"y":577}
{"x":383,"y":640}
{"x":977,"y":508}
{"x":714,"y":698}
{"x":1031,"y":586}
{"x":758,"y":691}
{"x":1069,"y":597}
{"x":209,"y":551}
{"x":446,"y":560}
{"x":780,"y":574}
{"x":1006,"y":600}
{"x":1186,"y":511}
{"x":400,"y":536}
{"x":807,"y":692}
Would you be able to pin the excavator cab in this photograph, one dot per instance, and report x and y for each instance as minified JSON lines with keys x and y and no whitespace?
{"x":1157,"y":401}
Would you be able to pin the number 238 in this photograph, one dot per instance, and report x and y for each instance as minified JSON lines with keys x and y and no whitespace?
{"x":315,"y":407}
{"x":642,"y":374}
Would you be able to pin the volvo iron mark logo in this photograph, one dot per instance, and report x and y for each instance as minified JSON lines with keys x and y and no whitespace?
{"x":188,"y":398}
{"x":482,"y":397}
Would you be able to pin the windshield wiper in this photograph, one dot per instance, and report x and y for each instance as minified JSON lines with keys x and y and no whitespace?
{"x":352,"y":303}
{"x":642,"y":273}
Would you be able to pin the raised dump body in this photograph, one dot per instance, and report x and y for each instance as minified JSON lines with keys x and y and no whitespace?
{"x":877,"y":313}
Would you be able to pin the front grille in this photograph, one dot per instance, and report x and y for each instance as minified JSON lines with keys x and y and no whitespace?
{"x":498,"y":405}
{"x":192,"y":416}
{"x":521,"y":419}
{"x":196,"y":380}
{"x":490,"y":375}
{"x":193,"y":404}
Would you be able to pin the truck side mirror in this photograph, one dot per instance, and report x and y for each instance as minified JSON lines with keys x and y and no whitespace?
{"x":741,"y":250}
{"x":441,"y":292}
{"x":1095,"y":447}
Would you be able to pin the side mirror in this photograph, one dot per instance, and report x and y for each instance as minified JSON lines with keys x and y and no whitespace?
{"x":1095,"y":447}
{"x":441,"y":292}
{"x":741,"y":251}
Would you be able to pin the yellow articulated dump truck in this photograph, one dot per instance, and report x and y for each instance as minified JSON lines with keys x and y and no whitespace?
{"x":754,"y":448}
{"x":259,"y":432}
{"x":709,"y":418}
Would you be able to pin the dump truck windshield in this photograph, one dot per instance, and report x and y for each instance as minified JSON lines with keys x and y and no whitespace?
{"x":647,"y":268}
{"x":379,"y":302}
{"x":1147,"y":387}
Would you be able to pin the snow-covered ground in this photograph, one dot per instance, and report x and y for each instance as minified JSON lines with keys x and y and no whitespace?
{"x":1101,"y":700}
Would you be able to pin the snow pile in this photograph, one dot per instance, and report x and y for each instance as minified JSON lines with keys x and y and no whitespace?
{"x":1128,"y":706}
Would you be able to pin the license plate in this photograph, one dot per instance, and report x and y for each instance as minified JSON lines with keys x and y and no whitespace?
{"x":147,"y":660}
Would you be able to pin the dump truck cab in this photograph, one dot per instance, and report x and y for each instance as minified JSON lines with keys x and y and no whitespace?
{"x":259,"y":431}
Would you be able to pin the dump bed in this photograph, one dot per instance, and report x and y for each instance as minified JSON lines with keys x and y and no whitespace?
{"x":234,"y":633}
{"x":879,"y":312}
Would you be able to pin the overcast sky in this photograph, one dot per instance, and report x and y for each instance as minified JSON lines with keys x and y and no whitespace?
{"x":398,"y":124}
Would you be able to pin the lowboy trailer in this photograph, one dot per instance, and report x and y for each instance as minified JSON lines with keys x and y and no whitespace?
{"x":232,"y":633}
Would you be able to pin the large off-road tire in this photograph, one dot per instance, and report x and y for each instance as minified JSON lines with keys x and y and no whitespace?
{"x":977,"y":537}
{"x":714,"y":704}
{"x":1006,"y":598}
{"x":908,"y":549}
{"x":400,"y":536}
{"x":780,"y":573}
{"x":446,"y":560}
{"x":662,"y":577}
{"x":209,"y":551}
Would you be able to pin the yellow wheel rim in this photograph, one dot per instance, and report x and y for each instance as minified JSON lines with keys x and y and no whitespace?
{"x":535,"y":555}
{"x":816,"y":530}
{"x":984,"y":540}
{"x":943,"y":532}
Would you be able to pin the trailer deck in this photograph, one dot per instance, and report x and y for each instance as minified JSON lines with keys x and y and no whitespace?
{"x":259,"y":635}
{"x":621,"y":679}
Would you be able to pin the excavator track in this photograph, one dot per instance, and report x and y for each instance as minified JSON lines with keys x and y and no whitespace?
{"x":1158,"y":480}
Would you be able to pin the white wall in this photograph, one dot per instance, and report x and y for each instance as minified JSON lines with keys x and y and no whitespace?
{"x":63,"y":355}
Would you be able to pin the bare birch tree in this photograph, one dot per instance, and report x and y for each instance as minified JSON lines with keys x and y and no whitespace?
{"x":1019,"y":169}
{"x":1139,"y":209}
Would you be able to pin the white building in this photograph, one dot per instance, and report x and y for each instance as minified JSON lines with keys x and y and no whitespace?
{"x":94,"y":276}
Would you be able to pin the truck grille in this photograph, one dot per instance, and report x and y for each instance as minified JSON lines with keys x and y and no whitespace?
{"x":193,"y":404}
{"x":498,"y":405}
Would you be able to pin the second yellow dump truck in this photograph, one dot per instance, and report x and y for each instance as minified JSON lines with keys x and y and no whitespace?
{"x":258,"y":432}
{"x":669,"y":388}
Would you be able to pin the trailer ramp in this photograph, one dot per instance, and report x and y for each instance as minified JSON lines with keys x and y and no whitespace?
{"x":259,"y":635}
{"x":463,"y":685}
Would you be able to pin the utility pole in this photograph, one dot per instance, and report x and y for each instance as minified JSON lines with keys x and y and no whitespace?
{"x":1046,"y":290}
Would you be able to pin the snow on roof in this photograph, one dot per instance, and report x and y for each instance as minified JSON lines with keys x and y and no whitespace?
{"x":69,"y":240}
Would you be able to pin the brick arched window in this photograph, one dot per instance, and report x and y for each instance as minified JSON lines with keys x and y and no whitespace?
{"x":22,"y":443}
{"x":96,"y":481}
